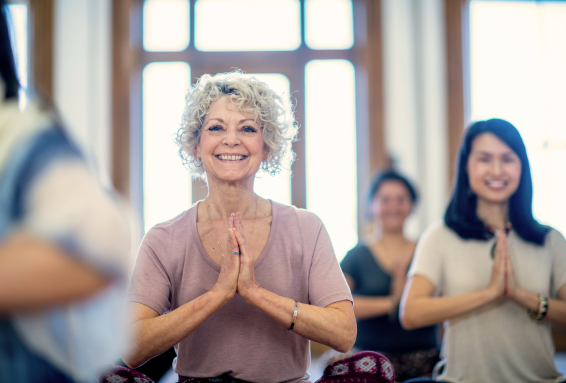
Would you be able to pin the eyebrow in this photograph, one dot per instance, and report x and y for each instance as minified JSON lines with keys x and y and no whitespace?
{"x":484,"y":153}
{"x":242,"y":120}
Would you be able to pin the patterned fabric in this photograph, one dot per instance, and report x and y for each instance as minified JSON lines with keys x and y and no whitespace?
{"x":220,"y":379}
{"x":363,"y":367}
{"x":413,"y":364}
{"x":119,"y":374}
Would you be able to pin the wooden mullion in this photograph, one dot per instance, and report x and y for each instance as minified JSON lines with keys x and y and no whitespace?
{"x":455,"y":13}
{"x":42,"y":25}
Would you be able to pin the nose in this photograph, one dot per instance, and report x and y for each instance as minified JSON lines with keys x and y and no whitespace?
{"x":496,"y":167}
{"x":231,"y":138}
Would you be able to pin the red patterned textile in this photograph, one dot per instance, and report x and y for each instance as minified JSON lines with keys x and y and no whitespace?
{"x":220,"y":379}
{"x":119,"y":374}
{"x":363,"y":367}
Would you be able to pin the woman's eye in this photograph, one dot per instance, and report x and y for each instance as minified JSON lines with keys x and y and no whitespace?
{"x":508,"y":160}
{"x":215,"y":128}
{"x":483,"y":159}
{"x":249,"y":129}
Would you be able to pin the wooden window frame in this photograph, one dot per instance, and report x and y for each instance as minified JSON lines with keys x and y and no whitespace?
{"x":129,"y":59}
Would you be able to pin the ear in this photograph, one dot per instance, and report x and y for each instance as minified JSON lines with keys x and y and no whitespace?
{"x":265,"y":154}
{"x":197,"y":153}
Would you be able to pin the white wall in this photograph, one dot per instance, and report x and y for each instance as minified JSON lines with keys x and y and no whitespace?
{"x":82,"y":75}
{"x":415,"y":101}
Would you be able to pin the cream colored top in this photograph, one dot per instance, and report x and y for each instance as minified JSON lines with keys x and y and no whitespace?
{"x":498,"y":342}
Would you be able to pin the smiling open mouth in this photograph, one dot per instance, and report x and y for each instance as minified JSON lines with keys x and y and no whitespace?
{"x":231,"y":158}
{"x":496,"y":184}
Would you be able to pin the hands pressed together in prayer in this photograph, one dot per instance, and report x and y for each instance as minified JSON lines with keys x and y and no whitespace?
{"x":503,"y":281}
{"x":237,"y":270}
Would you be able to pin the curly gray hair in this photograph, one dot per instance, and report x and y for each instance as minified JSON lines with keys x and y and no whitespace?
{"x":253,"y":98}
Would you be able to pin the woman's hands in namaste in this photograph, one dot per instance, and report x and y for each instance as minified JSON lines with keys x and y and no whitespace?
{"x":246,"y":283}
{"x":502,"y":274}
{"x":227,"y":282}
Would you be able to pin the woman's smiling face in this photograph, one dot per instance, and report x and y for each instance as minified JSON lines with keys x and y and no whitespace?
{"x":494,"y":169}
{"x":231,"y":144}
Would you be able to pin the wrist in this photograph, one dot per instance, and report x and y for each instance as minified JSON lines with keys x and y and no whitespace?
{"x":490,"y":294}
{"x":220,"y":296}
{"x":526,"y":299}
{"x":252,"y":295}
{"x":394,"y":303}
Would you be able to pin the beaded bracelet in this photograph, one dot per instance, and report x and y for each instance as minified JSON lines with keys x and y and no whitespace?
{"x":542,"y":308}
{"x":294,"y":315}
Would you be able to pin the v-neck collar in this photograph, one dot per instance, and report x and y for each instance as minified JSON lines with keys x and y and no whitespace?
{"x":262,"y":256}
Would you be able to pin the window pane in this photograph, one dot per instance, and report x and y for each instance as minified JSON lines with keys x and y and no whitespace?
{"x":18,"y":24}
{"x":518,"y":58}
{"x":166,"y":25}
{"x":276,"y":188}
{"x":167,"y":190}
{"x":329,"y":24}
{"x":330,"y":139}
{"x":247,"y":25}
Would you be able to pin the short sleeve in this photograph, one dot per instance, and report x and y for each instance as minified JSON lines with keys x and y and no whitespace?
{"x":558,"y":250}
{"x":150,"y":284}
{"x":427,"y":261}
{"x":326,"y":281}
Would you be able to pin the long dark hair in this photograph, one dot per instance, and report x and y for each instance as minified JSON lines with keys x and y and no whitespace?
{"x":461,"y":214}
{"x":7,"y":65}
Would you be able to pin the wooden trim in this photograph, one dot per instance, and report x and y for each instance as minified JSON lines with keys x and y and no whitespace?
{"x":378,"y":156}
{"x":41,"y":22}
{"x":122,"y":58}
{"x":457,"y":31}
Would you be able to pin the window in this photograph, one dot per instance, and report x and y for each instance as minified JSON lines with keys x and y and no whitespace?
{"x":518,"y":58}
{"x":18,"y":24}
{"x":303,"y":49}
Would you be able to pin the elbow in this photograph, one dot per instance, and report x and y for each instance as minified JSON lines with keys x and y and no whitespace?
{"x":407,"y":320}
{"x":348,"y":340}
{"x":134,"y":360}
{"x":131,"y":362}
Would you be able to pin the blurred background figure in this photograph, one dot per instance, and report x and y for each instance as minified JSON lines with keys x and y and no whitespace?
{"x":375,"y":270}
{"x":64,"y":248}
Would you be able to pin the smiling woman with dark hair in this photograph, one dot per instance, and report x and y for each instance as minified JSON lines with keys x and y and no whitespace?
{"x":376,"y":272}
{"x":491,"y":272}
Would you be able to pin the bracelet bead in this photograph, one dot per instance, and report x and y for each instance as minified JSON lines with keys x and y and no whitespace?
{"x":295,"y":313}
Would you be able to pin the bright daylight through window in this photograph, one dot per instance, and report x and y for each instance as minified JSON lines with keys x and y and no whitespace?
{"x":518,"y":58}
{"x":329,"y":89}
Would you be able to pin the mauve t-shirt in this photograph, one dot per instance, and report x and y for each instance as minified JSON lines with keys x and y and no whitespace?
{"x":298,"y":262}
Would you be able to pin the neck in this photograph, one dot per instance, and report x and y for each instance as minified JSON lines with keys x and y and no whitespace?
{"x":225,"y":198}
{"x":388,"y":236}
{"x":493,"y":215}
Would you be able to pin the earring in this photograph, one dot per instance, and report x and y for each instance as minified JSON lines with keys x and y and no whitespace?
{"x":197,"y":162}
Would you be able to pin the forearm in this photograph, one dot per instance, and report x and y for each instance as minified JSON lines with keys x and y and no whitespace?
{"x":556,"y":312}
{"x":327,"y":325}
{"x":369,"y":307}
{"x":35,"y":275}
{"x":154,"y":336}
{"x":426,"y":311}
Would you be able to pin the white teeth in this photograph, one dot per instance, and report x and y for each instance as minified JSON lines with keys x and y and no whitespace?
{"x":496,"y":184}
{"x":231,"y":158}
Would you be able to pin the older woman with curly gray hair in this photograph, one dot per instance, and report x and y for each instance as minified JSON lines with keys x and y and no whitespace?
{"x":238,"y":284}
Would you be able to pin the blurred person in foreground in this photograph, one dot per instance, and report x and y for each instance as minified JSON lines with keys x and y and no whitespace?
{"x":376,"y":272}
{"x":494,"y":275}
{"x":64,"y":249}
{"x":238,"y":284}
